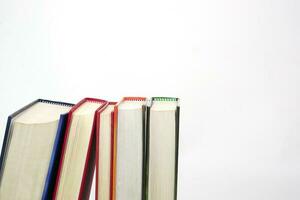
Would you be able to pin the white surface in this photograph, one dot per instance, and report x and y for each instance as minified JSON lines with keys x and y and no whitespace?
{"x":235,"y":65}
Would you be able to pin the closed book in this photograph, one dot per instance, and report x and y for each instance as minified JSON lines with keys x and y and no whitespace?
{"x":162,"y":148}
{"x":129,"y":149}
{"x":104,"y":152}
{"x":31,"y":149}
{"x":77,"y":162}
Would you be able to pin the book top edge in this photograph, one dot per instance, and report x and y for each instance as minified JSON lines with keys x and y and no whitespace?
{"x":55,"y":102}
{"x":134,"y":99}
{"x":165,"y":99}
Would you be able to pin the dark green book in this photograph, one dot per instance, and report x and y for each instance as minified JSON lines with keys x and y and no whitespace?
{"x":162,"y":141}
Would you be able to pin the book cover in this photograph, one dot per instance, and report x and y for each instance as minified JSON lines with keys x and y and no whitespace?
{"x":56,"y":150}
{"x":90,"y":158}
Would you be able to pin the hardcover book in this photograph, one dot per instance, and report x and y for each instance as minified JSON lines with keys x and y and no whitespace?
{"x":77,"y":162}
{"x":162,"y":148}
{"x":104,"y":151}
{"x":129,"y":149}
{"x":31,"y":150}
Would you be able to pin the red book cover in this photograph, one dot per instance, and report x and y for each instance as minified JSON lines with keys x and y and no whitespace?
{"x":89,"y":166}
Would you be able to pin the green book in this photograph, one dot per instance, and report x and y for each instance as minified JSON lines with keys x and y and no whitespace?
{"x":162,"y":139}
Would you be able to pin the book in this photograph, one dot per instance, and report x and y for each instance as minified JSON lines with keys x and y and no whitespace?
{"x":162,"y":148}
{"x":77,"y":162}
{"x":129,"y":149}
{"x":31,"y":148}
{"x":104,"y":151}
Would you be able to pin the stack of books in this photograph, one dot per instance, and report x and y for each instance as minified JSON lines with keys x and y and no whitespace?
{"x":51,"y":150}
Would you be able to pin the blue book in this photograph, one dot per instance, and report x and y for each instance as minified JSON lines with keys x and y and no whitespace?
{"x":31,"y":150}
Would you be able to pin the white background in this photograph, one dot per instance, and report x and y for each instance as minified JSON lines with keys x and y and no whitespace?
{"x":235,"y":65}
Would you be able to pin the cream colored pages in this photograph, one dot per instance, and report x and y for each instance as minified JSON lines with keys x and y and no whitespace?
{"x":76,"y":151}
{"x":162,"y":151}
{"x":28,"y":155}
{"x":129,"y":151}
{"x":104,"y":154}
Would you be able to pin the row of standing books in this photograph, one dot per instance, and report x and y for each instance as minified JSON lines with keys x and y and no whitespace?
{"x":51,"y":149}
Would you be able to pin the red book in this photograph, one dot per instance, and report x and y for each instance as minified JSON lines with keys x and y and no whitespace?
{"x":77,"y":164}
{"x":104,"y":151}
